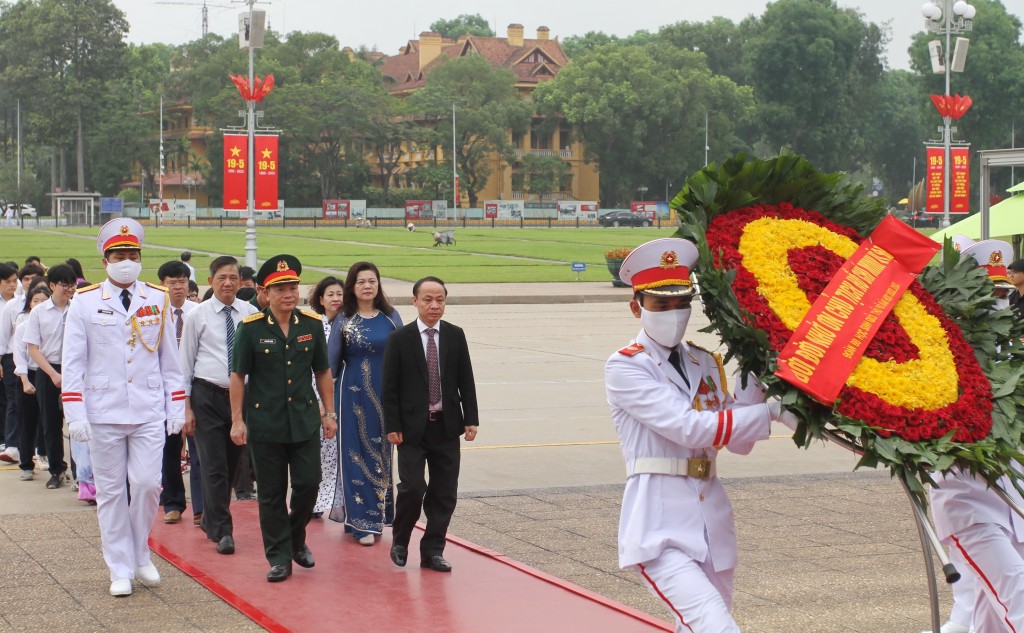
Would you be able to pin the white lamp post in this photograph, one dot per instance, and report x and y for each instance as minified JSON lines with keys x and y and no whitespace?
{"x":948,"y":17}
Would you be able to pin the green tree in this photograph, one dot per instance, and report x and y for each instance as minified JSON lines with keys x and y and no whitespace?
{"x":390,"y":131}
{"x":60,"y":58}
{"x":544,"y":174}
{"x":487,"y":109}
{"x":894,"y":132}
{"x":576,"y":45}
{"x":720,"y":39}
{"x":465,"y":24}
{"x":815,"y":69}
{"x":436,"y":180}
{"x":640,"y":112}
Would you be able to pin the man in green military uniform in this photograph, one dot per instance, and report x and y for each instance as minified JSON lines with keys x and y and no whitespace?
{"x":277,"y":349}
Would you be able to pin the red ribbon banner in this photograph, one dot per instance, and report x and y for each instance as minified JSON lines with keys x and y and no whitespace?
{"x":934,"y":179}
{"x":236,"y":148}
{"x":266,"y":171}
{"x":830,"y":341}
{"x":960,"y":176}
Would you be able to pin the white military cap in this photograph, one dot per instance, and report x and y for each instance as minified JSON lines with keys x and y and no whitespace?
{"x":120,"y":233}
{"x":960,"y":242}
{"x":661,"y":267}
{"x":992,"y":255}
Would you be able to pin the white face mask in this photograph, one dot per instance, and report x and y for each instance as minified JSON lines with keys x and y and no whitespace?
{"x":1002,"y":303}
{"x":124,"y":272}
{"x":666,"y":328}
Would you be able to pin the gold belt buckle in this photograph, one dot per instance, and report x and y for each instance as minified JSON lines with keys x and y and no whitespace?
{"x":698,"y":468}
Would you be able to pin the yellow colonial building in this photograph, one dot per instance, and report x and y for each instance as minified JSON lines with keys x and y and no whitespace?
{"x":533,"y":61}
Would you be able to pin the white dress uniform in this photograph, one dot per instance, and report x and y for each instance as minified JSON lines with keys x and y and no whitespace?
{"x":121,"y":377}
{"x":973,"y":520}
{"x":676,"y":528}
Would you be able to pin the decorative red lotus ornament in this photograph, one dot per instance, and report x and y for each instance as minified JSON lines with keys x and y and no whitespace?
{"x":261,"y":87}
{"x":952,"y":106}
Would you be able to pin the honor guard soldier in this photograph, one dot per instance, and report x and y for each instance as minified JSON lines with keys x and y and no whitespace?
{"x":985,"y":536}
{"x":277,"y":348}
{"x":122,"y":393}
{"x":673,"y":414}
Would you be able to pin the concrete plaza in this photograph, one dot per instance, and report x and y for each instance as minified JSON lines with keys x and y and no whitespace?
{"x":822,"y":548}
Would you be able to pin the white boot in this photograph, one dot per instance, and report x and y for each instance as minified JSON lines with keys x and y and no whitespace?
{"x":952,"y":627}
{"x":148,"y":575}
{"x":121,"y":587}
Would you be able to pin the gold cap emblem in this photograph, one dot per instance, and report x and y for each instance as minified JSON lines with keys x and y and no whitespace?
{"x":125,"y":230}
{"x":995,"y":259}
{"x":669,"y":259}
{"x":282,"y":265}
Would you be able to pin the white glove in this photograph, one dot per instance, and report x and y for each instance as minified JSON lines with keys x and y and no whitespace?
{"x":79,"y":431}
{"x":175,"y":425}
{"x":774,"y":409}
{"x":753,"y":393}
{"x":789,"y":419}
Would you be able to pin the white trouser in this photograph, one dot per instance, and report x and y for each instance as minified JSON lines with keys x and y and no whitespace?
{"x":699,"y":597}
{"x":962,"y":612}
{"x":132,"y":453}
{"x":997,"y":562}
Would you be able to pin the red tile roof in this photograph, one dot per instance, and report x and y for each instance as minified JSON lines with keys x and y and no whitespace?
{"x":533,"y":62}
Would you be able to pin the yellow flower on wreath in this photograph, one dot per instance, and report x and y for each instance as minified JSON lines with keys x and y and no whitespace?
{"x":929,"y":382}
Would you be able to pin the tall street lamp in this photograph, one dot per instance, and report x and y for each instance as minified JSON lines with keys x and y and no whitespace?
{"x":948,"y":18}
{"x":643,"y":190}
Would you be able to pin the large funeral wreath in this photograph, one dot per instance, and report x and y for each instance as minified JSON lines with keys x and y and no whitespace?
{"x":938,"y":386}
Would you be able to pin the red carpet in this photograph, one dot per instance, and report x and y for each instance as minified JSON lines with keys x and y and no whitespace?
{"x":356,"y":588}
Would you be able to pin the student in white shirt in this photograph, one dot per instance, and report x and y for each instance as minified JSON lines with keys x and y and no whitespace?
{"x":25,"y":371}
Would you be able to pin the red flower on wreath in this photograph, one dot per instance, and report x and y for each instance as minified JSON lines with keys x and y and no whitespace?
{"x":961,"y":401}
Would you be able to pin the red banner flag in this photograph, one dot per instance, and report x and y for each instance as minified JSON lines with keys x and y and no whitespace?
{"x":960,"y":166}
{"x":934,"y":179}
{"x":266,"y":172}
{"x":831,"y":339}
{"x":236,"y":149}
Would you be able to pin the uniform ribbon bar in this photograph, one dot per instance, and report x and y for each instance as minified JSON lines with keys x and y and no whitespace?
{"x":831,"y":339}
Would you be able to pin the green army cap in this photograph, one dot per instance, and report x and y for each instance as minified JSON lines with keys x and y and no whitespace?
{"x":279,"y":269}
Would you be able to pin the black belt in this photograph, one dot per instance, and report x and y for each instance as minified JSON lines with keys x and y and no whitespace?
{"x":212,"y":387}
{"x":434,"y":416}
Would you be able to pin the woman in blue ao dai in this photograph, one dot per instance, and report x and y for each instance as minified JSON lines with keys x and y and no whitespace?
{"x":365,"y":497}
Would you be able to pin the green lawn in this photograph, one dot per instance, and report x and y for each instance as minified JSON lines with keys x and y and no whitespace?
{"x":479,"y":255}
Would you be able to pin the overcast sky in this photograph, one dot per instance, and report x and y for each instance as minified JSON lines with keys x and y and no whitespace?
{"x":388,"y":24}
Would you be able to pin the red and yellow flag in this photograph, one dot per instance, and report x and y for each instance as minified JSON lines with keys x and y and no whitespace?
{"x":236,"y":151}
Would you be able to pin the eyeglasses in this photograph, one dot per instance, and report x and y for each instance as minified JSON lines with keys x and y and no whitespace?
{"x":68,"y":287}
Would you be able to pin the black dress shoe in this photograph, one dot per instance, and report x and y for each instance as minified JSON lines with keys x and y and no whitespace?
{"x":304,"y":557}
{"x":399,"y":554}
{"x":279,"y":573}
{"x":437,"y":563}
{"x":226,"y":545}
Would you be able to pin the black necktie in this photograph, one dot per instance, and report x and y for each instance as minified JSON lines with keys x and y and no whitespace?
{"x":673,"y":359}
{"x":126,"y":299}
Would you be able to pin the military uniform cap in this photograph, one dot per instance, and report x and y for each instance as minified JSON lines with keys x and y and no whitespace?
{"x":279,"y":269}
{"x":122,"y":234}
{"x":661,"y":267}
{"x":992,"y":255}
{"x":960,"y":242}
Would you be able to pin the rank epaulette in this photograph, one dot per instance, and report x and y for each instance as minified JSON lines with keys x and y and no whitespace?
{"x":88,"y":288}
{"x":311,"y":314}
{"x":632,"y":350}
{"x":703,"y":349}
{"x":254,"y":317}
{"x":157,"y":286}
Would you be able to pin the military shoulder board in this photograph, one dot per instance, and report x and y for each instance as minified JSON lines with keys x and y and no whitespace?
{"x":310,"y":314}
{"x":88,"y":288}
{"x":632,"y":350}
{"x":157,"y":286}
{"x":254,"y":317}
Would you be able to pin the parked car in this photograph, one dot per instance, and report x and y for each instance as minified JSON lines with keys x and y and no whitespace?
{"x":22,"y":210}
{"x":623,"y":218}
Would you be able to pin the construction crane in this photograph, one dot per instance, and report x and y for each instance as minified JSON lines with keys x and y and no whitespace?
{"x":204,"y":5}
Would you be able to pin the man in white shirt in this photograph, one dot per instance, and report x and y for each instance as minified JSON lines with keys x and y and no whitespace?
{"x":44,"y":340}
{"x":11,"y":383}
{"x":186,"y":258}
{"x":174,"y":276}
{"x":122,"y":393}
{"x":8,"y":282}
{"x":205,"y":355}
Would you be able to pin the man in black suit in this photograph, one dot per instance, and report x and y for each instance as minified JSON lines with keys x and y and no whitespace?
{"x":429,"y":399}
{"x":1015,"y":272}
